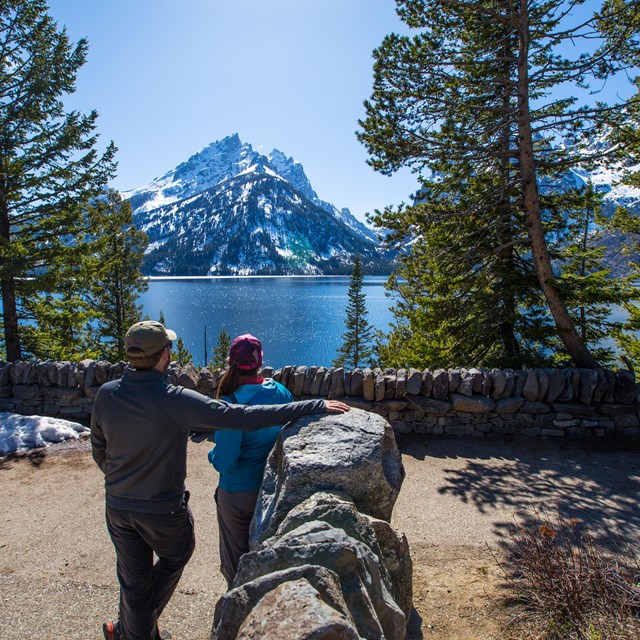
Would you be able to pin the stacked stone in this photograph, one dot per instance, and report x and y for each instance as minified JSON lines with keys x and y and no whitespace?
{"x":463,"y":402}
{"x":324,"y":558}
{"x":475,"y":402}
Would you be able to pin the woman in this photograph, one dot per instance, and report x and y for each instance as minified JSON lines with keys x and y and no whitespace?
{"x":240,"y":457}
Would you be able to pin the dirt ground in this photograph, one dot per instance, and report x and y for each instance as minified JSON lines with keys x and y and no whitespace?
{"x":459,"y":498}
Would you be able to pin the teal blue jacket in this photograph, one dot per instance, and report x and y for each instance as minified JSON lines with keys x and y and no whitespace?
{"x":240,"y":456}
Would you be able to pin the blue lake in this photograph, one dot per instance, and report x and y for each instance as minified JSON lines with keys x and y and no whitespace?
{"x":300,"y":320}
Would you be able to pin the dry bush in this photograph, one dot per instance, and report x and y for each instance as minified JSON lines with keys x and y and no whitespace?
{"x":568,"y":587}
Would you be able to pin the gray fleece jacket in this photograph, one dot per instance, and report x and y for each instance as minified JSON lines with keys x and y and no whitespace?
{"x":140,"y":427}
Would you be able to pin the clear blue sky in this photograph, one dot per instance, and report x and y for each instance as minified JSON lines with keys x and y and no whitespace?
{"x":169,"y":77}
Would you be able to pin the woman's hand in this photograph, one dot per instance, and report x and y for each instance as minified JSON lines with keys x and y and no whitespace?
{"x":335,"y":406}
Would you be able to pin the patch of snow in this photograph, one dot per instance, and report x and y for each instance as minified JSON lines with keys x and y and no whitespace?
{"x":19,"y":433}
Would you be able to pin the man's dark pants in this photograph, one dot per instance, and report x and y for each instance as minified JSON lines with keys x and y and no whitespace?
{"x":145,"y":586}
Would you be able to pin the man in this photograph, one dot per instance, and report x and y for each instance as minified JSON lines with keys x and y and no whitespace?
{"x":140,"y":426}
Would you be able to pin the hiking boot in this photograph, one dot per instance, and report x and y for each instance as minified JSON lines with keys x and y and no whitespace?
{"x":111,"y":630}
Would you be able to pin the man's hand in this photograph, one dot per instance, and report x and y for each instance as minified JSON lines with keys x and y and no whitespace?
{"x":335,"y":406}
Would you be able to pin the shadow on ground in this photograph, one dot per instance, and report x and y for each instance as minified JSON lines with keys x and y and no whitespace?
{"x":35,"y":457}
{"x":594,"y":481}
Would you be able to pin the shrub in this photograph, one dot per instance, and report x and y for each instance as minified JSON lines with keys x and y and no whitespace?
{"x":568,"y":586}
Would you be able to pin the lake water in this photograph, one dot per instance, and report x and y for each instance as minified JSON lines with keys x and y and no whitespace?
{"x":300,"y":320}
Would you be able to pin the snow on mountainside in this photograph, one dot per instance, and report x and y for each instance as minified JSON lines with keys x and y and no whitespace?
{"x":231,"y":210}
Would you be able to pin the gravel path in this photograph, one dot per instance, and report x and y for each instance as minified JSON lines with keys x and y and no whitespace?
{"x":57,"y":566}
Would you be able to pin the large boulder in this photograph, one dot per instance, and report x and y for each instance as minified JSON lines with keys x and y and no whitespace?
{"x":355,"y":453}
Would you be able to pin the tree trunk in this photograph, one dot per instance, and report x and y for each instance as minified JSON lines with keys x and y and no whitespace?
{"x":9,"y":307}
{"x":576,"y":348}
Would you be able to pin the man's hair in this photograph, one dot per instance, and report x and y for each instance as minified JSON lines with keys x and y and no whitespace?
{"x":143,"y":362}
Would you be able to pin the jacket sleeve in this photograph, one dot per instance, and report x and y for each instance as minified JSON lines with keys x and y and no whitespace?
{"x":98,"y":441}
{"x":225,"y":454}
{"x":200,"y":413}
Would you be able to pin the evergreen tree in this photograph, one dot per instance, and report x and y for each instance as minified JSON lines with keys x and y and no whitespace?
{"x":357,"y":345}
{"x":471,"y":104}
{"x":117,"y":255}
{"x":220,"y":351}
{"x":49,"y":167}
{"x":181,"y":355}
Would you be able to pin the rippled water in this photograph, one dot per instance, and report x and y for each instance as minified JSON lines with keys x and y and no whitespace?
{"x":300,"y":320}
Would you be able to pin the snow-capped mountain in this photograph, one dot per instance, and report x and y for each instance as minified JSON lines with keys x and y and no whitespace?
{"x":231,"y":210}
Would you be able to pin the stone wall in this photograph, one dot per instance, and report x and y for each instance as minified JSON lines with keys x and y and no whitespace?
{"x":461,"y":402}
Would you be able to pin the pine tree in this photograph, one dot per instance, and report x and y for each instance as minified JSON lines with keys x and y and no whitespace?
{"x":469,"y":103}
{"x":117,"y":255}
{"x":181,"y":355}
{"x":220,"y":351}
{"x":49,"y":166}
{"x":357,"y":345}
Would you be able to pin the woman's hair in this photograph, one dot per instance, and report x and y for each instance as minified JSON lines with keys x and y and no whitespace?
{"x":232,"y":378}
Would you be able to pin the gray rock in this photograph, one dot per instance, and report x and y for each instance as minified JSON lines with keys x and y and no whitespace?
{"x":357,"y":383}
{"x":336,"y":390}
{"x":430,"y":405}
{"x":573,"y":408}
{"x":487,"y":383}
{"x":509,"y":405}
{"x":102,"y":371}
{"x":537,"y":408}
{"x":308,"y":380}
{"x":355,"y":453}
{"x":414,"y":382}
{"x":188,"y":377}
{"x":499,"y":383}
{"x":299,"y":377}
{"x":567,"y":391}
{"x":625,"y":389}
{"x":205,"y":382}
{"x":543,"y":383}
{"x":317,"y":381}
{"x":294,"y":610}
{"x":531,"y":387}
{"x":427,"y":383}
{"x":475,"y":404}
{"x":520,"y":380}
{"x":601,"y":387}
{"x":556,"y":385}
{"x":509,"y":383}
{"x":380,"y":386}
{"x":440,"y":389}
{"x":478,"y":378}
{"x":588,"y":384}
{"x":465,"y":387}
{"x":609,"y":395}
{"x":390,"y":383}
{"x":401,"y":383}
{"x":326,"y":383}
{"x":455,"y":378}
{"x":397,"y":561}
{"x":368,"y":385}
{"x":233,"y":608}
